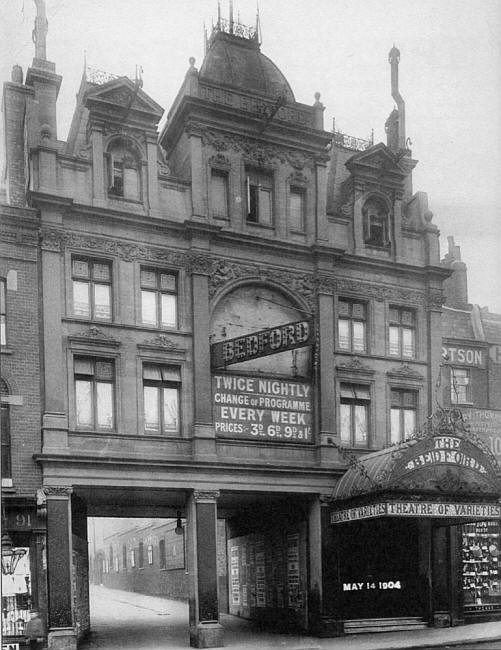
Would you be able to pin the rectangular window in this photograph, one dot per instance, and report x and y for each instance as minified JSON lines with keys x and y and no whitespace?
{"x":297,"y":208}
{"x":91,"y":289}
{"x":140,"y":556}
{"x":161,"y":554}
{"x":460,"y":386}
{"x":5,"y":447}
{"x":158,"y":298}
{"x":354,"y":414}
{"x":402,"y":336}
{"x":219,"y":193}
{"x":259,"y":198}
{"x":124,"y":557}
{"x":3,"y":313}
{"x":94,"y":393}
{"x":150,"y":554}
{"x":351,"y":326}
{"x":161,"y":386}
{"x":402,"y":414}
{"x":133,"y":558}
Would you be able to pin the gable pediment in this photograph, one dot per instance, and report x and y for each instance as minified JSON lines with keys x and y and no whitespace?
{"x":122,"y":95}
{"x":379,"y":161}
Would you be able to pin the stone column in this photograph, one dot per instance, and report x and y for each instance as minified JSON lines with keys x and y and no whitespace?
{"x":153,"y":196}
{"x":59,"y":569}
{"x":99,"y":173}
{"x":205,"y":629}
{"x":204,"y":443}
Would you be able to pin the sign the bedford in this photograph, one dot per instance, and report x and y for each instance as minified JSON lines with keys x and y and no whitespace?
{"x":262,"y":343}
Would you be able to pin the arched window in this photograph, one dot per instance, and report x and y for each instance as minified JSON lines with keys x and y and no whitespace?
{"x":124,"y":166}
{"x":376,"y":223}
{"x":5,"y":433}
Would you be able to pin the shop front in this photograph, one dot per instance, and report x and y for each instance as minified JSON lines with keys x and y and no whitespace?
{"x":415,"y":528}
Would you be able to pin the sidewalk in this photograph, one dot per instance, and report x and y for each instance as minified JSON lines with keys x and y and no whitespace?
{"x":122,"y":619}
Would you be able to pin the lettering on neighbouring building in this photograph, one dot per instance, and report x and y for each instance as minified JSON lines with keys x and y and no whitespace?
{"x":464,"y":356}
{"x":262,"y":343}
{"x":418,"y":509}
{"x":486,"y":424}
{"x":262,"y":409}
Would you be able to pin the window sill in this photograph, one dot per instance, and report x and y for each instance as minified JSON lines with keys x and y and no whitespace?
{"x":379,"y":247}
{"x":123,"y":199}
{"x":256,"y":224}
{"x":6,"y":350}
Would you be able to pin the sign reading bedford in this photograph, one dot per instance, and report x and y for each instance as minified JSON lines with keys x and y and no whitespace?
{"x":262,"y":409}
{"x":262,"y":343}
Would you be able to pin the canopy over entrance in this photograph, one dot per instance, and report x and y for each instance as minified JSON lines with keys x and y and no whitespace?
{"x":445,"y":471}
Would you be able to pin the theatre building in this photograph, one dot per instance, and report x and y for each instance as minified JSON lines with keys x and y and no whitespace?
{"x":241,"y":328}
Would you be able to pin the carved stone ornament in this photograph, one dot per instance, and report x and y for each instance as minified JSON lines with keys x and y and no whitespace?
{"x":206,"y":495}
{"x":405,"y":371}
{"x":198,"y":263}
{"x":435,"y":299}
{"x":57,"y":491}
{"x":85,"y":152}
{"x":325,"y":283}
{"x":135,"y":136}
{"x":354,"y":364}
{"x":164,"y":342}
{"x":219,"y":160}
{"x":56,"y":240}
{"x":255,"y":152}
{"x":380,"y":292}
{"x":95,"y":335}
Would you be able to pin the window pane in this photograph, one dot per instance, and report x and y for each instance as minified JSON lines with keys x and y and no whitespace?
{"x":3,"y":330}
{"x":104,"y":405}
{"x":362,"y":392}
{"x":394,"y":341}
{"x":219,"y":194}
{"x":83,"y":367}
{"x":345,"y":422}
{"x":2,"y":296}
{"x":347,"y":391}
{"x":171,"y":373}
{"x":171,"y":413}
{"x":104,"y":370}
{"x":148,"y":279}
{"x":344,"y":307}
{"x":407,"y":342}
{"x":149,"y":307}
{"x":296,"y":211}
{"x":131,"y":183}
{"x":358,"y":336}
{"x":80,"y":268}
{"x":395,"y":433}
{"x":344,"y":334}
{"x":396,"y":397}
{"x":101,"y":271}
{"x":360,"y":424}
{"x":102,"y":301}
{"x":409,"y":422}
{"x":151,"y":414}
{"x":167,"y":282}
{"x":394,"y":315}
{"x":81,"y":301}
{"x":152,"y":373}
{"x":265,"y":208}
{"x":168,"y":310}
{"x":358,"y":310}
{"x":83,"y":403}
{"x":407,"y":317}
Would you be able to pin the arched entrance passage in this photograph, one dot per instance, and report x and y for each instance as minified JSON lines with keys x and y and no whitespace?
{"x":401,"y":552}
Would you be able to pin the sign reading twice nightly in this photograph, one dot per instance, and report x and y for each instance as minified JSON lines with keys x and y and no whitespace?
{"x":262,"y":409}
{"x":418,"y":509}
{"x":261,"y":344}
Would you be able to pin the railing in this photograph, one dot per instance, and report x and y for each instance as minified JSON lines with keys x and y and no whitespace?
{"x":234,"y":27}
{"x":350,"y":142}
{"x":99,"y":77}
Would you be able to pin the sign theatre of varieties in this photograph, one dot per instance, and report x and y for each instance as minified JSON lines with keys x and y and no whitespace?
{"x":255,"y":407}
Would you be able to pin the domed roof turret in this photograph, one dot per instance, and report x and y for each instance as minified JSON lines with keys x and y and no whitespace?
{"x":237,"y":61}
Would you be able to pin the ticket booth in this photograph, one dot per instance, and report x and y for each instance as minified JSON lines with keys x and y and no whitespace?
{"x":416,"y":534}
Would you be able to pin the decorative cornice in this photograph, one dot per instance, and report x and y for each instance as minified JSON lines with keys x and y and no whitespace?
{"x":94,"y":336}
{"x":379,"y":292}
{"x":57,"y":491}
{"x":353,"y":364}
{"x":405,"y":371}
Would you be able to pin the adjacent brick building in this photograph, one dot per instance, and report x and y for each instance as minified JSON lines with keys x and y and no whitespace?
{"x":232,"y":312}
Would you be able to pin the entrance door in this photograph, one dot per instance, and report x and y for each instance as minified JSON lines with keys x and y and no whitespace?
{"x":378,"y":573}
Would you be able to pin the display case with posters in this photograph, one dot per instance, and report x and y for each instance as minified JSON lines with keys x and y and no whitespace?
{"x":16,"y":598}
{"x":481,"y":580}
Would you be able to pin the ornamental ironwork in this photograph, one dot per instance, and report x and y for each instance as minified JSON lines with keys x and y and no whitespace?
{"x":233,"y":27}
{"x":98,"y":77}
{"x":350,"y":142}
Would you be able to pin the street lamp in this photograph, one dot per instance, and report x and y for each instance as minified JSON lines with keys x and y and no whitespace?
{"x":10,"y":555}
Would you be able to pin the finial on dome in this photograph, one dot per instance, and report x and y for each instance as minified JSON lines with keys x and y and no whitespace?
{"x":394,"y":55}
{"x":191,"y":61}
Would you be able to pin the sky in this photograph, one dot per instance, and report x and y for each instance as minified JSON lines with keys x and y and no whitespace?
{"x":450,"y":79}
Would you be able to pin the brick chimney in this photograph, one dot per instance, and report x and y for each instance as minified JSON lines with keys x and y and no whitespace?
{"x":456,"y":286}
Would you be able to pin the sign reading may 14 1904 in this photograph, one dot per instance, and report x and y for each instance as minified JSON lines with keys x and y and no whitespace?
{"x":262,"y":409}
